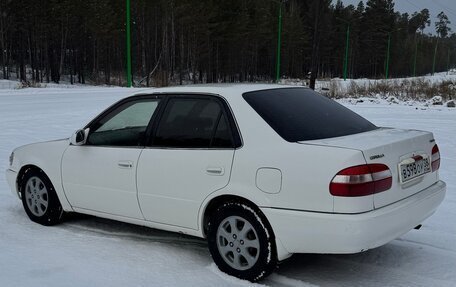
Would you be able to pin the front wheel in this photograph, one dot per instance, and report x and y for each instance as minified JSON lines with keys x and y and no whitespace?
{"x":241,"y":242}
{"x":39,"y":198}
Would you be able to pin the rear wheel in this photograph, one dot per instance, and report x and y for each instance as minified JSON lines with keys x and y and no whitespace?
{"x":39,"y":198}
{"x":241,"y":242}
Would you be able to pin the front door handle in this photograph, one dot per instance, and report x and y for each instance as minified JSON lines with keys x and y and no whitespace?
{"x":215,"y":171}
{"x":125,"y":164}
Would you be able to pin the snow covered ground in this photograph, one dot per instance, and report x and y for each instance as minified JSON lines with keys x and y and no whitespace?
{"x":86,"y":251}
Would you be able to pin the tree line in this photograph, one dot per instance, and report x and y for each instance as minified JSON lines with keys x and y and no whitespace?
{"x":204,"y":41}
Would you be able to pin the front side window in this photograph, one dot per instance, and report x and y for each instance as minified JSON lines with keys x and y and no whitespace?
{"x":193,"y":123}
{"x":124,"y":126}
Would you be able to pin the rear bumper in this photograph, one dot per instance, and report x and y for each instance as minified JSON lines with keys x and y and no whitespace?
{"x":11,"y":176}
{"x":312,"y":232}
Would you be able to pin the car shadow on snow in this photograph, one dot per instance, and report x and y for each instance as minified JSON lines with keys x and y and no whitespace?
{"x":370,"y":267}
{"x":111,"y":228}
{"x":394,"y":263}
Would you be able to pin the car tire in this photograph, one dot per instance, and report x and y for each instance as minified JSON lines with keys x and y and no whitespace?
{"x":39,"y":198}
{"x":241,"y":242}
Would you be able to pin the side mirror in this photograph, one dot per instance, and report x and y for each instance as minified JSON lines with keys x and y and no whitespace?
{"x":79,"y":137}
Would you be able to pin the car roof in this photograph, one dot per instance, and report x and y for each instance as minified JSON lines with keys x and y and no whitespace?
{"x":225,"y":90}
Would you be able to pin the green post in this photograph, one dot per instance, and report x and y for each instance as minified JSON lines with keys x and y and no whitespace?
{"x":346,"y":52}
{"x":128,"y":45}
{"x":414,"y":58}
{"x":279,"y":43}
{"x":448,"y":62}
{"x":435,"y":55}
{"x":388,"y":56}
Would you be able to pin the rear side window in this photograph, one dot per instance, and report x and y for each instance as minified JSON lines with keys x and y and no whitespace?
{"x":222,"y":136}
{"x":193,"y":123}
{"x":300,"y":114}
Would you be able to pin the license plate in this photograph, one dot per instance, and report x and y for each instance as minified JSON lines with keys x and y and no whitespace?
{"x":413,"y":167}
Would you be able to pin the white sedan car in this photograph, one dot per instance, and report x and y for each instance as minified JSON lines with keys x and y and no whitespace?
{"x":261,"y":171}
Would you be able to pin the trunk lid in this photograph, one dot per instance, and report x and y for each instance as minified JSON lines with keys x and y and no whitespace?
{"x":390,"y":147}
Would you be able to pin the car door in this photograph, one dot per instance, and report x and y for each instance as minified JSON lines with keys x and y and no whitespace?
{"x":189,"y":156}
{"x":101,"y":175}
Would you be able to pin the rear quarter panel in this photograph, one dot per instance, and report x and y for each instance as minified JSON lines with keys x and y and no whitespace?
{"x":306,"y":169}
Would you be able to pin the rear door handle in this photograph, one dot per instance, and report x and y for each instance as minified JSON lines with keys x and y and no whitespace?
{"x":215,"y":171}
{"x":125,"y":164}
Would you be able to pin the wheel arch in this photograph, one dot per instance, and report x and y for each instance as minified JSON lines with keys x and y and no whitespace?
{"x":22,"y":172}
{"x":55,"y":180}
{"x":215,"y":202}
{"x":211,"y":205}
{"x":47,"y":157}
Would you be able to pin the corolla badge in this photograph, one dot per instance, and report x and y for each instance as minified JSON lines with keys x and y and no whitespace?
{"x":376,"y":156}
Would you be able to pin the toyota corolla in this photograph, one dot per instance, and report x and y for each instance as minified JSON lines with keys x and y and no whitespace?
{"x":261,"y":171}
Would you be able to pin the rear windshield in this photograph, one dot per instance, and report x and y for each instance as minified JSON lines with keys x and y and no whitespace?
{"x":300,"y":114}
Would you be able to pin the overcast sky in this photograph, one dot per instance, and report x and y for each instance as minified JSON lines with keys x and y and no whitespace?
{"x":410,"y":6}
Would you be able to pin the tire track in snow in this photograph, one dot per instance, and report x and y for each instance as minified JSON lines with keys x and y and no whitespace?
{"x":385,"y":266}
{"x":427,"y":244}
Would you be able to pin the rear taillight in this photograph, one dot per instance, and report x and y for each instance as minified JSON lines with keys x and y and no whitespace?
{"x":361,"y":180}
{"x":435,"y":158}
